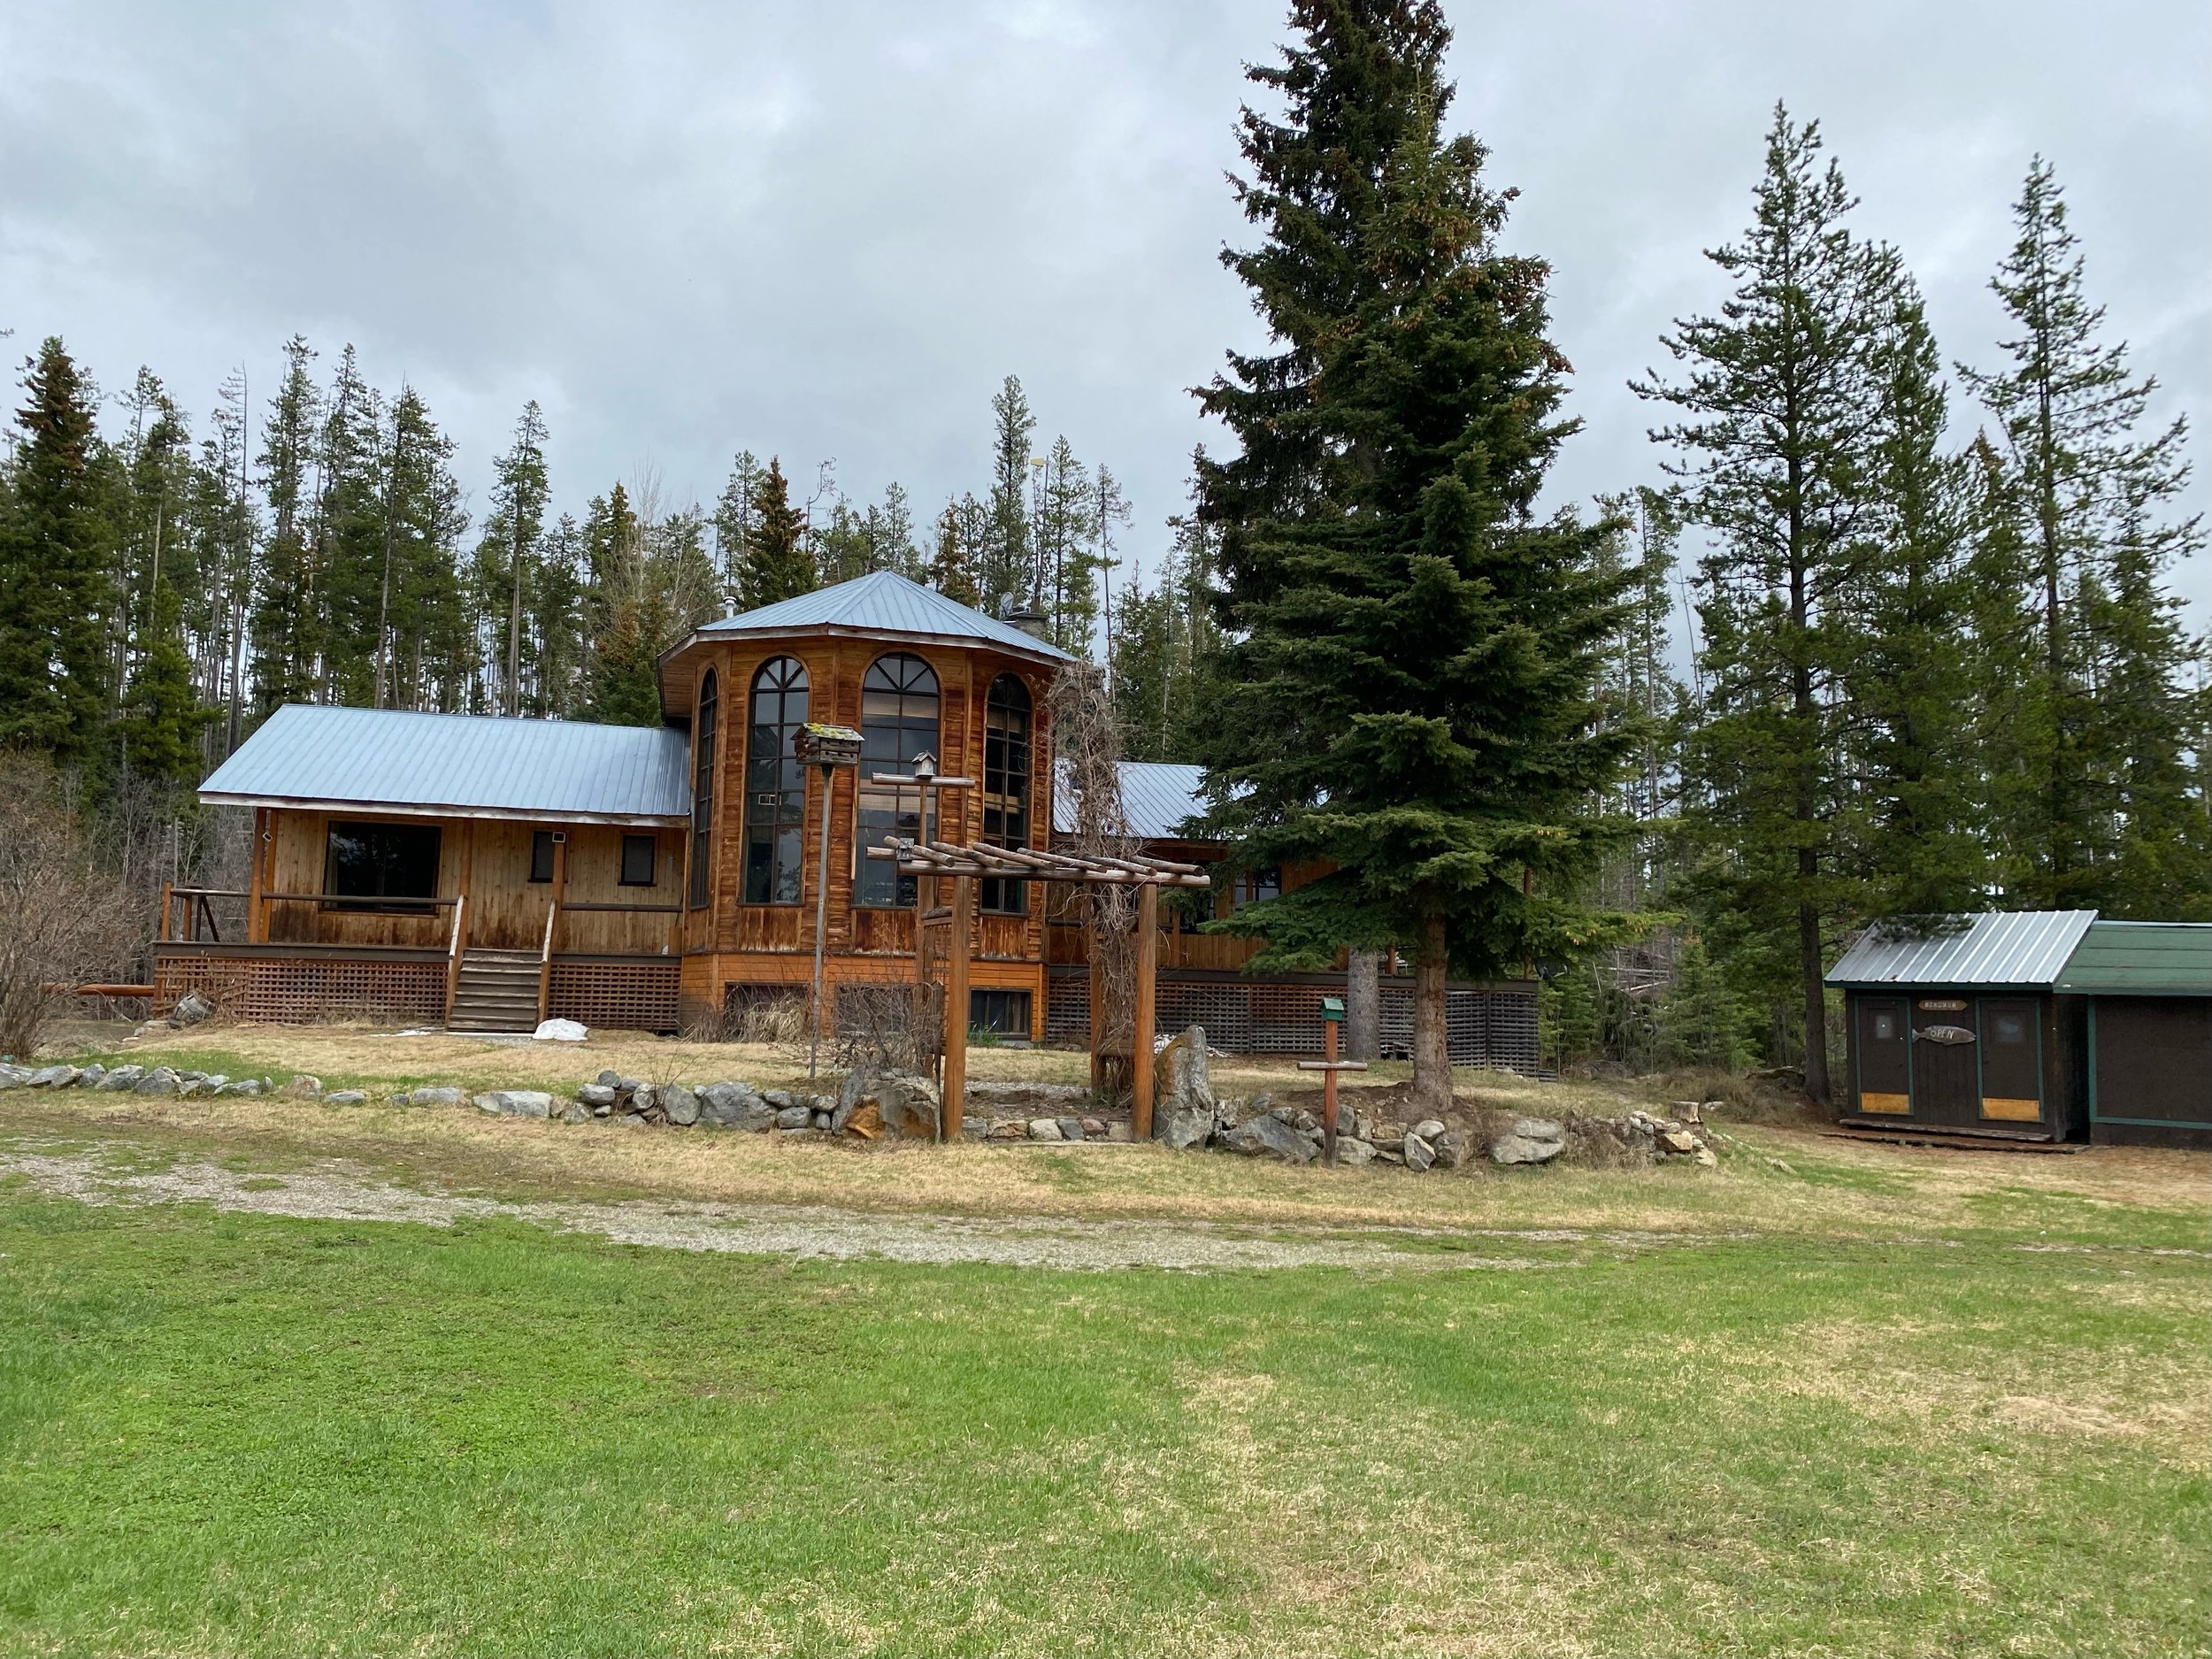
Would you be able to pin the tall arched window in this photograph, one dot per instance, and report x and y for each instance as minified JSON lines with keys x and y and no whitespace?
{"x":775,"y":785}
{"x":702,"y":722}
{"x":898,"y":720}
{"x":1006,"y":785}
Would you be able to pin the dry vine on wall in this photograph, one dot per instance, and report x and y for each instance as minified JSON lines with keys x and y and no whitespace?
{"x":1087,"y":734}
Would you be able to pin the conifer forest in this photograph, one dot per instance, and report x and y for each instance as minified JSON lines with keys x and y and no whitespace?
{"x":1888,"y":626}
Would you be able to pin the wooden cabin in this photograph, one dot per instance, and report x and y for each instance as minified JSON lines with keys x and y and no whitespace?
{"x":2042,"y":1025}
{"x":486,"y":872}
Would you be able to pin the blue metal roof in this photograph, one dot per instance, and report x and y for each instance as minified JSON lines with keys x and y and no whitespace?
{"x":458,"y":764}
{"x":885,"y":602}
{"x":1995,"y":948}
{"x":1157,"y":796}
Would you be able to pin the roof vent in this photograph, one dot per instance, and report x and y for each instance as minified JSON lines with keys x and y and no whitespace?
{"x":1030,"y":622}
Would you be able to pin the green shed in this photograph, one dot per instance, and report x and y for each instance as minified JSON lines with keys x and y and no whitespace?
{"x":2041,"y":1024}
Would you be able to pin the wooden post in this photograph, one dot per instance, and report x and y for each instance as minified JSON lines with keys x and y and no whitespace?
{"x":257,"y":880}
{"x":957,"y":1007}
{"x":552,"y":918}
{"x":1093,"y":935}
{"x":1328,"y":1094}
{"x":168,"y":902}
{"x":1141,"y":1035}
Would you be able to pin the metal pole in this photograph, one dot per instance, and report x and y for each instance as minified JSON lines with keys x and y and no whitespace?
{"x":821,"y":925}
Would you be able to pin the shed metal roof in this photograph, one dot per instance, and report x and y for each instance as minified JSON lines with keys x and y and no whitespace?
{"x":885,"y":602}
{"x":2141,"y":959}
{"x":458,"y":765}
{"x":1995,"y":948}
{"x":1159,"y":796}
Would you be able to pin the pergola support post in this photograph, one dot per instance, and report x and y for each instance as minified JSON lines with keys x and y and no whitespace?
{"x":955,"y":1081}
{"x":1140,"y":1034}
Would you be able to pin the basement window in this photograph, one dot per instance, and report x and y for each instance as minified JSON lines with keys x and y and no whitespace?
{"x":1001,"y":1013}
{"x":381,"y":866}
{"x":638,"y":852}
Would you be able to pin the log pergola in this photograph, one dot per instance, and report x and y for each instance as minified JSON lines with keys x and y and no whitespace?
{"x":963,"y":864}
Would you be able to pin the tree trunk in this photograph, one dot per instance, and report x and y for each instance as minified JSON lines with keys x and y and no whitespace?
{"x":1432,"y":1052}
{"x":1816,"y":997}
{"x":1362,"y":1006}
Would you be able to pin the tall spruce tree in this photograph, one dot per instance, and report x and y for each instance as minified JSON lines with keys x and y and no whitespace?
{"x":777,"y":563}
{"x":1006,"y":573}
{"x":285,"y":633}
{"x":1780,"y":404}
{"x":56,"y":589}
{"x":1411,"y":694}
{"x":2089,"y":494}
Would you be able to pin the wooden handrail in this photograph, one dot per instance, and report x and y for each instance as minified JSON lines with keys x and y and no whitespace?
{"x":545,"y":961}
{"x":673,"y":909}
{"x":209,"y":893}
{"x":354,"y":898}
{"x":453,"y":958}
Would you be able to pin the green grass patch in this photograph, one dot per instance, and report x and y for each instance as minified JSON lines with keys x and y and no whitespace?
{"x":257,"y":1435}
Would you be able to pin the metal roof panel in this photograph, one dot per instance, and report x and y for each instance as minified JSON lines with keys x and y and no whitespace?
{"x":1995,"y":947}
{"x":399,"y":760}
{"x":1157,"y":796}
{"x":884,"y":602}
{"x":2141,"y":959}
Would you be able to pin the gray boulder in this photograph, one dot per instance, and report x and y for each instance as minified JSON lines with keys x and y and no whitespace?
{"x":1429,"y":1129}
{"x":680,"y":1104}
{"x":89,"y":1078}
{"x":1183,"y":1083}
{"x":1071,"y":1128}
{"x":1453,"y":1148}
{"x":160,"y":1081}
{"x":251,"y":1086}
{"x":793,"y":1118}
{"x":733,"y":1106}
{"x":1268,"y":1136}
{"x":191,"y":1009}
{"x":1191,"y":1127}
{"x":1008,"y":1129}
{"x":607,"y":1079}
{"x":576,"y":1112}
{"x":780,"y":1098}
{"x":597,"y":1094}
{"x":1530,"y":1141}
{"x":13,"y":1076}
{"x":54,"y":1077}
{"x":304,"y":1086}
{"x":516,"y":1102}
{"x":1418,"y":1153}
{"x":123,"y":1076}
{"x":905,"y":1106}
{"x":435,"y":1094}
{"x":346,"y":1097}
{"x":643,"y":1096}
{"x":1351,"y":1152}
{"x":1045,"y":1129}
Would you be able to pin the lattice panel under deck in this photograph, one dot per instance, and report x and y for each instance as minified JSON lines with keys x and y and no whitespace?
{"x":615,"y":995}
{"x":294,"y":991}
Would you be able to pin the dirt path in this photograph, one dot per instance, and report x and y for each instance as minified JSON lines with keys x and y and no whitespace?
{"x":334,"y":1192}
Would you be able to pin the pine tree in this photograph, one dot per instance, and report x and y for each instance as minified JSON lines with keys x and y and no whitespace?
{"x":1779,"y":401}
{"x":621,"y":686}
{"x":955,"y":567}
{"x":510,"y":548}
{"x":1412,"y":697}
{"x":1066,"y":578}
{"x":1008,"y":568}
{"x":733,"y":524}
{"x":349,"y":525}
{"x":777,"y":564}
{"x":2089,"y":492}
{"x":54,"y":586}
{"x":285,"y":627}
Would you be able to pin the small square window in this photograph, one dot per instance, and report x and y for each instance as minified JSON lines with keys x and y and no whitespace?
{"x":1885,"y":1027}
{"x":637,"y":861}
{"x":2012,"y":1028}
{"x":541,"y":856}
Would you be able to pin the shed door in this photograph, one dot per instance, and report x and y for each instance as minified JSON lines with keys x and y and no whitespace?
{"x":2012,"y":1061}
{"x":1945,"y":1061}
{"x":1884,"y":1056}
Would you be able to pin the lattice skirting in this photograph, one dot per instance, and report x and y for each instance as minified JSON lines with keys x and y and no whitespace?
{"x":1492,"y":1028}
{"x":617,"y":996}
{"x":291,"y":991}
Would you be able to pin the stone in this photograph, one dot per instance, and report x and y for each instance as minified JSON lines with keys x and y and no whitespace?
{"x":1117,"y":1131}
{"x":1362,"y":1126}
{"x":1530,"y":1141}
{"x":1267,"y":1136}
{"x":1093,"y":1129}
{"x":303,"y":1087}
{"x":191,"y":1009}
{"x":597,"y":1094}
{"x":680,"y":1104}
{"x":1392,"y":1153}
{"x":1044,"y":1129}
{"x":191,"y":1077}
{"x":349,"y":1097}
{"x":1071,"y":1128}
{"x":516,"y":1102}
{"x":213,"y":1084}
{"x":820,"y":1119}
{"x":864,"y":1122}
{"x":905,"y":1105}
{"x":89,"y":1078}
{"x":160,"y":1081}
{"x":1008,"y":1129}
{"x":13,"y":1076}
{"x":1418,"y":1153}
{"x":435,"y":1095}
{"x":255,"y":1086}
{"x":1679,"y":1141}
{"x":780,"y":1098}
{"x":608,"y":1079}
{"x":793,"y":1118}
{"x":1351,"y":1152}
{"x":643,"y":1097}
{"x":1183,"y":1081}
{"x":54,"y":1077}
{"x":734,"y":1106}
{"x":1183,"y":1130}
{"x":576,"y":1112}
{"x":1429,"y":1129}
{"x":1453,"y":1148}
{"x":633,"y":1120}
{"x":1706,"y":1158}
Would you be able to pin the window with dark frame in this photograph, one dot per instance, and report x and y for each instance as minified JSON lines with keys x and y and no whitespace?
{"x":639,"y":853}
{"x":1256,"y":886}
{"x":775,"y":784}
{"x":1006,"y":751}
{"x":381,"y":867}
{"x":1001,"y":1013}
{"x":898,"y":720}
{"x":702,"y":724}
{"x":541,"y":856}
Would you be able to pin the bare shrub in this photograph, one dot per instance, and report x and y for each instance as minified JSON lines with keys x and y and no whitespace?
{"x":888,"y":1028}
{"x":62,"y":919}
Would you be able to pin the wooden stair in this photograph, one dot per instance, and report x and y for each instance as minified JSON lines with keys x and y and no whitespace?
{"x":496,"y":990}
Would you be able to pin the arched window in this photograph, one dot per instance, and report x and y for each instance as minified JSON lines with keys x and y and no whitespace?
{"x":1006,"y":785}
{"x":898,"y":720}
{"x":775,"y":785}
{"x":702,"y":723}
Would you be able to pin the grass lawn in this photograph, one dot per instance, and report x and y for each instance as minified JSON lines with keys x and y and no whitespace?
{"x":1865,"y":1401}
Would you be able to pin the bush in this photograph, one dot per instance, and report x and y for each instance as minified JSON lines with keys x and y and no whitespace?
{"x":62,"y":919}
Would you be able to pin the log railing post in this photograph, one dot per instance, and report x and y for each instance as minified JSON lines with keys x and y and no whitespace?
{"x":957,"y":1007}
{"x":453,"y":955}
{"x":1141,"y":1035}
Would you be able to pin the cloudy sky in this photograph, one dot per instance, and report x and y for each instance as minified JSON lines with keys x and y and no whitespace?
{"x":829,"y":230}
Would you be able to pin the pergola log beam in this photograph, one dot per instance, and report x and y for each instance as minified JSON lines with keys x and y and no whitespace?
{"x":964,"y":863}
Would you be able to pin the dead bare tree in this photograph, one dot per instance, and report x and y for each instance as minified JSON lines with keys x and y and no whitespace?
{"x":1086,"y":740}
{"x":63,"y":918}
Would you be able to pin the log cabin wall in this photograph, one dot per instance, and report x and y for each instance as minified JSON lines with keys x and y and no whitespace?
{"x":729,"y":943}
{"x":489,"y":859}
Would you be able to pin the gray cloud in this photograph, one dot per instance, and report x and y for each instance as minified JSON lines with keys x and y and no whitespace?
{"x":828,"y":231}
